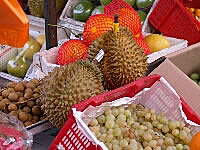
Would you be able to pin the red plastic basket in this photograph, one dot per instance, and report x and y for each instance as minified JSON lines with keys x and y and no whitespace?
{"x":71,"y":138}
{"x":172,"y":19}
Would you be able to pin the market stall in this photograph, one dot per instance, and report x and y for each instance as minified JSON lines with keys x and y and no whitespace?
{"x":99,"y":75}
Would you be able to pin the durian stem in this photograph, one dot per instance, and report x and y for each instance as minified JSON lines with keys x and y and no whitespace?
{"x":116,"y":23}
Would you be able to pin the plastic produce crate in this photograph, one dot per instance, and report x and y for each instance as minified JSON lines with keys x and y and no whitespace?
{"x":71,"y":138}
{"x":172,"y":19}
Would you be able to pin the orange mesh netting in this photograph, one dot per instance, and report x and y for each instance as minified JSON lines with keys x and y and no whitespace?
{"x":14,"y":24}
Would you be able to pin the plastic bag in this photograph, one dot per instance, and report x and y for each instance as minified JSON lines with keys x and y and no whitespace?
{"x":13,"y":135}
{"x":14,"y":24}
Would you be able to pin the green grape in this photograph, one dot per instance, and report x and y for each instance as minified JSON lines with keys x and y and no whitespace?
{"x":109,"y":124}
{"x":182,"y":135}
{"x":148,"y":148}
{"x":135,"y":117}
{"x":121,"y":117}
{"x":172,"y":125}
{"x":155,"y":123}
{"x":108,"y":138}
{"x":115,"y":142}
{"x":121,"y":110}
{"x":133,"y":141}
{"x":157,"y":148}
{"x":139,"y":139}
{"x":116,"y":125}
{"x":140,"y":114}
{"x":95,"y":129}
{"x":159,"y":126}
{"x":93,"y":122}
{"x":119,"y":138}
{"x":130,"y":121}
{"x":132,"y":106}
{"x":108,"y":111}
{"x":145,"y":144}
{"x":101,"y":119}
{"x":153,"y":117}
{"x":102,"y":137}
{"x":163,"y":120}
{"x":103,"y":130}
{"x":177,"y":124}
{"x":175,"y":132}
{"x":142,"y":127}
{"x":187,"y":130}
{"x":131,"y":135}
{"x":147,"y":137}
{"x":176,"y":140}
{"x":109,"y":146}
{"x":149,"y":125}
{"x":121,"y":123}
{"x":123,"y":143}
{"x":160,"y":142}
{"x":169,"y":148}
{"x":110,"y":117}
{"x":125,"y":132}
{"x":127,"y":113}
{"x":188,"y":139}
{"x":179,"y":147}
{"x":117,"y":132}
{"x":182,"y":124}
{"x":152,"y":143}
{"x":169,"y":135}
{"x":158,"y":117}
{"x":110,"y":131}
{"x":168,"y":141}
{"x":115,"y":111}
{"x":186,"y":147}
{"x":130,"y":147}
{"x":141,"y":148}
{"x":163,"y":147}
{"x":116,"y":147}
{"x":148,"y":116}
{"x":140,"y":120}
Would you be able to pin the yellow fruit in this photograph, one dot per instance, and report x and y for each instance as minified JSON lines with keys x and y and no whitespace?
{"x":41,"y":39}
{"x":156,"y":42}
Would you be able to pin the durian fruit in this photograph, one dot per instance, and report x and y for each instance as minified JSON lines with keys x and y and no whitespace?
{"x":66,"y":86}
{"x":36,"y":7}
{"x":124,"y":61}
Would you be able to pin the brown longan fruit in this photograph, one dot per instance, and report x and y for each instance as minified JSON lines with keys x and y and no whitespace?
{"x":5,"y":100}
{"x":36,"y":90}
{"x":30,"y":103}
{"x":35,"y":119}
{"x":38,"y":102}
{"x":28,"y":123}
{"x":13,"y":97}
{"x":28,"y":90}
{"x":21,"y":99}
{"x":2,"y":106}
{"x":35,"y":81}
{"x":19,"y":87}
{"x":11,"y":90}
{"x":1,"y":97}
{"x":27,"y":109}
{"x":30,"y":117}
{"x":5,"y":93}
{"x":11,"y":84}
{"x":14,"y":113}
{"x":36,"y":95}
{"x":27,"y":95}
{"x":12,"y":107}
{"x":23,"y":116}
{"x":24,"y":83}
{"x":30,"y":85}
{"x":20,"y":94}
{"x":36,"y":111}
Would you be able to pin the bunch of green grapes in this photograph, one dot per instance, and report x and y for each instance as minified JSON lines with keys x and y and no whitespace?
{"x":139,"y":128}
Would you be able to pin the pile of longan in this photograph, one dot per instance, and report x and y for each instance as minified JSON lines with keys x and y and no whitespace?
{"x":21,"y":99}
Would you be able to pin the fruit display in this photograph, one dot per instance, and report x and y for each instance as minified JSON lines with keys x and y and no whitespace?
{"x":195,"y":77}
{"x":84,"y":9}
{"x":19,"y":99}
{"x":66,"y":86}
{"x":36,"y":7}
{"x":156,"y":42}
{"x":140,"y":128}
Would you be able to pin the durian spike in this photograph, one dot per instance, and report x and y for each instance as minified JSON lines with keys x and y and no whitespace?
{"x":116,"y":23}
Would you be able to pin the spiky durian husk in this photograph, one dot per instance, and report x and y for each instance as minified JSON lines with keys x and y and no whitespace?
{"x":66,"y":86}
{"x":124,"y":61}
{"x":36,"y":7}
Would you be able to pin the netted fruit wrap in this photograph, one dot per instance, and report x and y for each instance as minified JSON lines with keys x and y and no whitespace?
{"x":13,"y":135}
{"x":160,"y":97}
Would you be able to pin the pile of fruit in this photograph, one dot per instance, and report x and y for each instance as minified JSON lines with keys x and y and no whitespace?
{"x":36,"y":7}
{"x":19,"y":64}
{"x":139,"y":128}
{"x":19,"y":99}
{"x":195,"y":77}
{"x":86,"y":8}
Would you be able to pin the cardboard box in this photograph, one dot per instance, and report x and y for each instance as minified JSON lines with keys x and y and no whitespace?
{"x":176,"y":69}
